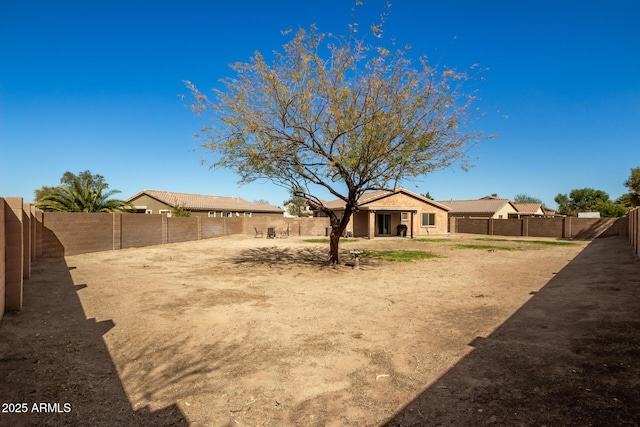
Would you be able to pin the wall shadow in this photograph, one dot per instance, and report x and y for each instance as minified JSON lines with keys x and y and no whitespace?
{"x":283,"y":256}
{"x":599,"y":228}
{"x":51,"y":354}
{"x":569,"y":356}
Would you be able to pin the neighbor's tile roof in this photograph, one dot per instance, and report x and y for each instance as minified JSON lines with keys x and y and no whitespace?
{"x":485,"y":205}
{"x":372,"y":196}
{"x":530,"y":208}
{"x":202,"y":202}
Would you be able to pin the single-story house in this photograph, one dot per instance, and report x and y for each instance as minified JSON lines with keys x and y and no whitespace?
{"x":385,"y":213}
{"x":162,"y":202}
{"x":528,"y":209}
{"x":486,"y":207}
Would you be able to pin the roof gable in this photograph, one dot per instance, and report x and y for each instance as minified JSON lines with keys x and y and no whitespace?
{"x":485,"y":205}
{"x":371,"y":197}
{"x":528,"y":208}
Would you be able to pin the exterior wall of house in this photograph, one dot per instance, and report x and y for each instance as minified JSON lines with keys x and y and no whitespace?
{"x":504,"y":212}
{"x":365,"y":222}
{"x":404,"y":202}
{"x":360,"y":224}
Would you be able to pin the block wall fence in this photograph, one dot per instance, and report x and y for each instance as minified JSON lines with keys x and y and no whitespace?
{"x":557,"y":227}
{"x":27,"y":234}
{"x":633,"y":229}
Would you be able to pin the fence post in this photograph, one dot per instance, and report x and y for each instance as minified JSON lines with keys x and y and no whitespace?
{"x":26,"y":240}
{"x":2,"y":256}
{"x":14,"y":254}
{"x":117,"y":230}
{"x":165,"y":229}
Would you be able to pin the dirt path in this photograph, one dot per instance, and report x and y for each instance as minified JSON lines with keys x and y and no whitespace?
{"x":238,"y":331}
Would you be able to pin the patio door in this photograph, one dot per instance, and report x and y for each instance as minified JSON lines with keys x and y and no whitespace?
{"x":384,"y":224}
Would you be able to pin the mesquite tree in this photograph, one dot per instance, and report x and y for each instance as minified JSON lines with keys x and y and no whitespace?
{"x":338,"y":114}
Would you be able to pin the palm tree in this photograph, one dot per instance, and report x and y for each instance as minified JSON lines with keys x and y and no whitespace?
{"x":80,"y":193}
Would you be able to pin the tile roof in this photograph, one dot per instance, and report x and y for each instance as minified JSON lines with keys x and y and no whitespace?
{"x":484,"y":205}
{"x":372,"y":196}
{"x":530,"y":208}
{"x":203,"y":202}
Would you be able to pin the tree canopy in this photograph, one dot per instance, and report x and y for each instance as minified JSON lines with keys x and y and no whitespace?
{"x":580,"y":200}
{"x":589,"y":200}
{"x":296,"y":206}
{"x":339,"y":114}
{"x":633,"y":184}
{"x":525,"y":198}
{"x":84,"y":192}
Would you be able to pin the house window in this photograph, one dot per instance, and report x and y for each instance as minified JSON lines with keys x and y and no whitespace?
{"x":148,"y":211}
{"x":499,"y":216}
{"x":227,"y":214}
{"x":428,"y":219}
{"x":248,"y":214}
{"x":165,"y":212}
{"x":404,"y":216}
{"x":211,"y":214}
{"x":237,"y":214}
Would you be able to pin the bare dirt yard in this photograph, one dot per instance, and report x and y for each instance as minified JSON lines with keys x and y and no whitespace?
{"x":246,"y":332}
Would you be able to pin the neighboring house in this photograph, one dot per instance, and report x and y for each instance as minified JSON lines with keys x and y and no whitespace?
{"x":162,"y":202}
{"x":487,"y":207}
{"x":528,"y":209}
{"x":381,"y":212}
{"x":305,"y":212}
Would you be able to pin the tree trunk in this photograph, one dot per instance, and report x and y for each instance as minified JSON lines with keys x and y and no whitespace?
{"x":337,"y":229}
{"x":334,"y":257}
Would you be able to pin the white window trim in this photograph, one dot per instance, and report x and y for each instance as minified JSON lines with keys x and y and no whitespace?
{"x":166,"y":212}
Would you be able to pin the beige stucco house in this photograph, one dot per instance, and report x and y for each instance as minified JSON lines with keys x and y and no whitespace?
{"x":486,"y":207}
{"x":381,"y":212}
{"x":162,"y":202}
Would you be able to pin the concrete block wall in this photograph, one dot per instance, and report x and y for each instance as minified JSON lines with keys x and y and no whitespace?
{"x":633,"y":229}
{"x":182,"y":229}
{"x":140,"y":230}
{"x":508,"y":227}
{"x":546,"y":227}
{"x":63,"y":234}
{"x":3,"y":207}
{"x":76,"y":233}
{"x":14,"y":253}
{"x":560,"y":228}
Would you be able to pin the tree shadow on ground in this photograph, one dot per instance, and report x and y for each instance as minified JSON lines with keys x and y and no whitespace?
{"x":50,"y":353}
{"x":303,"y":255}
{"x":569,"y":356}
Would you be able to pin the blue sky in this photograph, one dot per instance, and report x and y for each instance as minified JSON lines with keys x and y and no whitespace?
{"x":96,"y":85}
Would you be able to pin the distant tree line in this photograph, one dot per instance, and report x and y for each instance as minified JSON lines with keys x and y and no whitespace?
{"x":592,"y":200}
